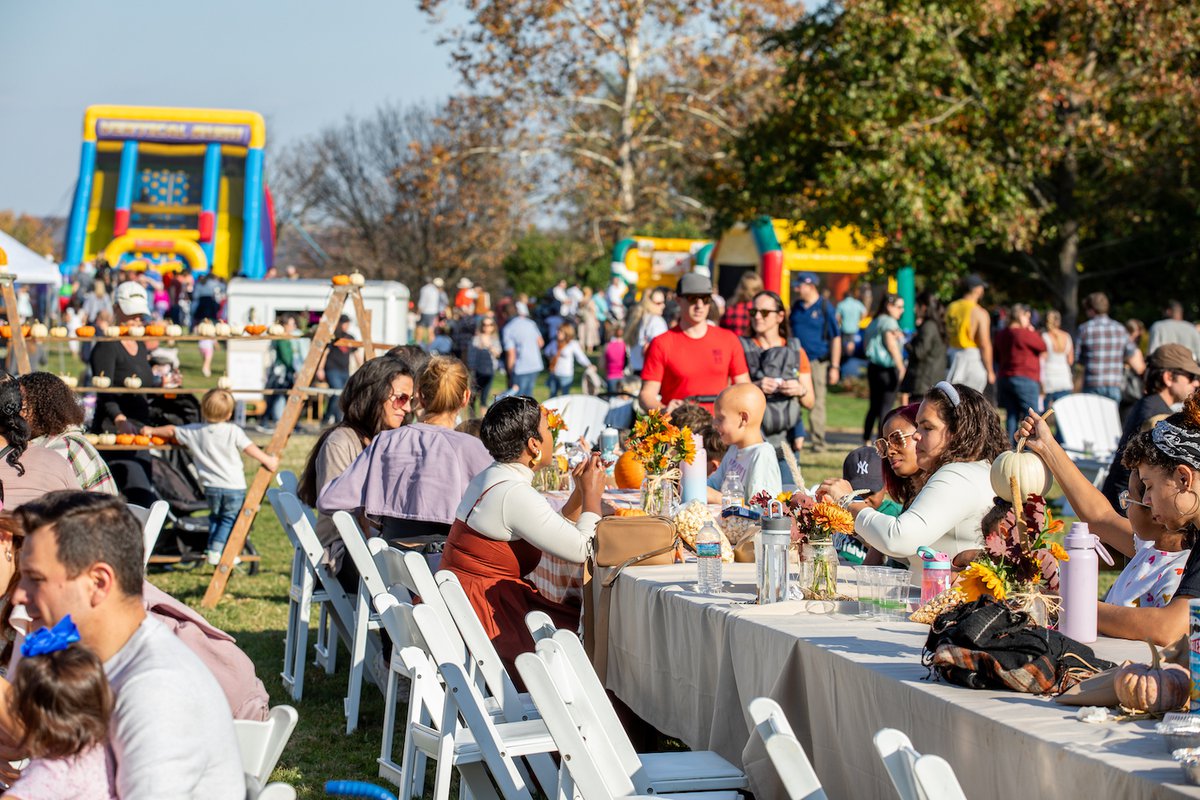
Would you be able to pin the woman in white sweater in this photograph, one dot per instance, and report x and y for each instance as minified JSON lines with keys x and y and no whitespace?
{"x":958,"y":435}
{"x":503,"y":525}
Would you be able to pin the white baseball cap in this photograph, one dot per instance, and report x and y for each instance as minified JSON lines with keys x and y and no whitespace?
{"x":130,"y":297}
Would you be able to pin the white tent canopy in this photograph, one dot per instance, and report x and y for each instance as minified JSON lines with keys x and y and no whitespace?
{"x":28,"y":266}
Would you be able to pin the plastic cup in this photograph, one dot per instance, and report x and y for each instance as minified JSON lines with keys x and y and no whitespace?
{"x":869,"y":585}
{"x":894,"y":594}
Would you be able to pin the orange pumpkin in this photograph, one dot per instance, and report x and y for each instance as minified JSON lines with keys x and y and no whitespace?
{"x":87,"y":331}
{"x":141,"y":440}
{"x":341,"y":280}
{"x":124,"y":438}
{"x":157,"y":440}
{"x":628,"y":471}
{"x":6,"y":331}
{"x":256,"y":330}
{"x":629,"y":512}
{"x":124,"y":330}
{"x":156,"y":330}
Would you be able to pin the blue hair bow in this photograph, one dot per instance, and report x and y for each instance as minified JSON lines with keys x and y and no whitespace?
{"x":51,"y":640}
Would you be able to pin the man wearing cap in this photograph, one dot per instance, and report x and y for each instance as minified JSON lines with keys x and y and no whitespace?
{"x":969,"y":337}
{"x":692,"y":359}
{"x":1174,"y":328}
{"x":814,"y":323}
{"x":523,"y":343}
{"x":430,"y":302}
{"x":1172,"y":373}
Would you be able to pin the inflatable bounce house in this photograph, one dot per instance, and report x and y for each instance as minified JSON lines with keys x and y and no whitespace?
{"x":765,"y":245}
{"x":172,"y":189}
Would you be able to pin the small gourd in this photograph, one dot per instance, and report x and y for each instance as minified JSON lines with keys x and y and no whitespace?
{"x":628,"y":471}
{"x":156,"y":330}
{"x":59,"y":332}
{"x":277,"y":330}
{"x":93,"y":438}
{"x":256,"y":330}
{"x":142,"y":440}
{"x":112,"y":330}
{"x":236,"y":330}
{"x":1031,"y":473}
{"x":206,"y":329}
{"x":357,"y":279}
{"x":1155,"y":688}
{"x":86,"y":331}
{"x":340,"y":280}
{"x":133,"y":382}
{"x":223,"y":329}
{"x":38,"y":331}
{"x":125,"y":438}
{"x":224,"y":382}
{"x":101,"y":381}
{"x":108,"y":438}
{"x":174,"y":331}
{"x":69,"y":380}
{"x":136,"y":330}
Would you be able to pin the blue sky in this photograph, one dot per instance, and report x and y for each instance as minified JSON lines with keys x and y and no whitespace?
{"x":302,"y":64}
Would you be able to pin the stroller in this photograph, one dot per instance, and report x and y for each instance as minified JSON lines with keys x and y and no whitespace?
{"x":174,"y":478}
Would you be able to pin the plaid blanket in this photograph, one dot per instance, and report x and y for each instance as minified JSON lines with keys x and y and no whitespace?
{"x":986,"y":645}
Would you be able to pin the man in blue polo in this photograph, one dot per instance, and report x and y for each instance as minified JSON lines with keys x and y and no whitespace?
{"x":814,"y":323}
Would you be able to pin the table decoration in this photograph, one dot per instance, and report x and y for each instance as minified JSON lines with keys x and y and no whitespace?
{"x":553,"y":476}
{"x":660,"y":448}
{"x":814,"y":524}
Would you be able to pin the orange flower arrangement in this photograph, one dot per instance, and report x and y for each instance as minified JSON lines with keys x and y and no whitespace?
{"x":554,"y":422}
{"x":658,"y":445}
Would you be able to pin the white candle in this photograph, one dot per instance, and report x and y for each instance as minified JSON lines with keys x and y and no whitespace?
{"x":694,"y":476}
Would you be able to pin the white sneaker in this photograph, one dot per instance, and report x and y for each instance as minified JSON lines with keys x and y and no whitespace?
{"x":213,"y":557}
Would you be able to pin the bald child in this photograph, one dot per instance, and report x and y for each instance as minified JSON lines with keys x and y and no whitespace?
{"x":737,"y":419}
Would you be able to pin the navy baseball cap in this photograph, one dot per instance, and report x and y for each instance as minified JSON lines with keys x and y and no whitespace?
{"x":801,"y":278}
{"x":864,"y":469}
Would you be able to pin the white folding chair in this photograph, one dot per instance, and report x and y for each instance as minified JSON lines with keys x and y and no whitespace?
{"x":152,"y":520}
{"x":540,"y":625}
{"x":262,"y":743}
{"x":582,"y":414}
{"x":785,"y":751}
{"x":364,"y":647}
{"x":590,"y":767}
{"x":395,"y":616}
{"x":916,"y":776}
{"x":287,"y":481}
{"x":1090,"y":426}
{"x":651,"y":773}
{"x":303,"y":592}
{"x":272,"y":791}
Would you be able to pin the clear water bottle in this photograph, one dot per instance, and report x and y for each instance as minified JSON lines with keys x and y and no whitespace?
{"x":708,"y":560}
{"x":733,"y":493}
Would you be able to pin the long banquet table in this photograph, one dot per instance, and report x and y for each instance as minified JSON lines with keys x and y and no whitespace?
{"x":689,"y":664}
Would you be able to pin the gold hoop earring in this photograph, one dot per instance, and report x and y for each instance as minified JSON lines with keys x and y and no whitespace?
{"x":1195,"y":504}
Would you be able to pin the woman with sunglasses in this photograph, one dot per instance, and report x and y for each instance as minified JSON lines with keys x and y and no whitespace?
{"x":646,"y":323}
{"x":376,"y":398}
{"x":779,"y":366}
{"x":885,"y":361}
{"x":958,"y":435}
{"x":409,"y":480}
{"x":902,"y":477}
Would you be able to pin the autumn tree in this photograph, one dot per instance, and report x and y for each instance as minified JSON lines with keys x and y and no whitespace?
{"x":385,"y":195}
{"x":1046,"y":143}
{"x":626,"y":100}
{"x":36,"y":234}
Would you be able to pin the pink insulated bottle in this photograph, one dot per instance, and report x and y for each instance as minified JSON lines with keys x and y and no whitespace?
{"x":1078,"y":583}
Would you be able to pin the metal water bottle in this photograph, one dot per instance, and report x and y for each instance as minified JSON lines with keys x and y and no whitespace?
{"x":1078,"y":578}
{"x":776,"y":537}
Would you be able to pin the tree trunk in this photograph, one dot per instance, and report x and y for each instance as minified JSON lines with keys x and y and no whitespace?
{"x":626,"y":172}
{"x":1068,"y":251}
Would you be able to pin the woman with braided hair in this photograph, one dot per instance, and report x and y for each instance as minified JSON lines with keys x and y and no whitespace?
{"x":26,"y":471}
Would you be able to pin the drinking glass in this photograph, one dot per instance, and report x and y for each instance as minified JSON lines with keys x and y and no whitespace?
{"x":895,"y":593}
{"x":868,"y":579}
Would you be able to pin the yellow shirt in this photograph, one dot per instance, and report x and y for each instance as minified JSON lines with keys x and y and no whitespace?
{"x":958,"y":325}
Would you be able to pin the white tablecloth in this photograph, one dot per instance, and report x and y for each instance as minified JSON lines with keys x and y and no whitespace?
{"x":689,"y":664}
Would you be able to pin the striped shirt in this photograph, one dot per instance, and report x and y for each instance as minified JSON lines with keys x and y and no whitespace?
{"x":1102,"y":348}
{"x":88,"y":465}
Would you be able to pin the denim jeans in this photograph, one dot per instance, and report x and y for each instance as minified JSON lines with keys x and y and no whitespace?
{"x":558,"y":385}
{"x":1111,"y":392}
{"x":224,"y":505}
{"x":336,"y":380}
{"x":524,"y":382}
{"x":1016,"y":395}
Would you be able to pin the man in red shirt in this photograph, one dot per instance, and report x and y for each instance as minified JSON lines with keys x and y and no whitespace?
{"x":693,"y":358}
{"x":1018,"y":355}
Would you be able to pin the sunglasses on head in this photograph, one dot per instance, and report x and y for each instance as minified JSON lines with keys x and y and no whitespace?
{"x":1125,"y":501}
{"x":896,"y":440}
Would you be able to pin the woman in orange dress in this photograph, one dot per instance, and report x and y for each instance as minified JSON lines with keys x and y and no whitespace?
{"x":503,"y":525}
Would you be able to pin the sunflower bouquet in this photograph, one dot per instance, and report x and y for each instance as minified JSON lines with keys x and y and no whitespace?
{"x":660,"y":448}
{"x":1019,"y":562}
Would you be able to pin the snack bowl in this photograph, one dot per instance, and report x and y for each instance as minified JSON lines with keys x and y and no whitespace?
{"x":1180,"y":732}
{"x":1189,"y":762}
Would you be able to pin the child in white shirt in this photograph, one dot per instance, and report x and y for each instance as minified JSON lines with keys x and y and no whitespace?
{"x":737,"y":418}
{"x":216,"y":446}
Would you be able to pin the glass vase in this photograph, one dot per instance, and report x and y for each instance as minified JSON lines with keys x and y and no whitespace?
{"x":818,"y":570}
{"x":659,"y":496}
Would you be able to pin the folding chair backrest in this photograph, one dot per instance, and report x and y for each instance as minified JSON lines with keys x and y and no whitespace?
{"x":899,"y":758}
{"x":582,"y":414}
{"x":390,"y":563}
{"x":540,"y":625}
{"x":288,"y":482}
{"x":356,"y":548}
{"x":295,"y":521}
{"x":785,"y":751}
{"x":594,"y":770}
{"x":1089,"y":422}
{"x":936,"y":779}
{"x":409,"y":646}
{"x":152,"y":520}
{"x":262,"y":743}
{"x":441,"y":643}
{"x":276,"y":791}
{"x":483,"y":653}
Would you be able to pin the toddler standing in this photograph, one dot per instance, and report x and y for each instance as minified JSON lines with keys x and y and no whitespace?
{"x":216,"y":445}
{"x":63,"y":703}
{"x":737,"y":418}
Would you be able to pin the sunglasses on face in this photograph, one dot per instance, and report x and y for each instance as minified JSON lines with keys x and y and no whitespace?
{"x":896,"y":440}
{"x":1125,"y":501}
{"x":764,"y":312}
{"x":399,"y":400}
{"x":703,"y":299}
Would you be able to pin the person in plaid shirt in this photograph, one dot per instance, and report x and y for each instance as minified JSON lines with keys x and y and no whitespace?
{"x":737,"y":316}
{"x":55,"y":420}
{"x":1103,"y":349}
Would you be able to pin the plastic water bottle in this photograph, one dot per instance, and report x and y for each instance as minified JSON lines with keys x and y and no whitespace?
{"x":936,"y":577}
{"x":733,"y":493}
{"x":708,"y":560}
{"x":609,"y":440}
{"x":1077,"y":583}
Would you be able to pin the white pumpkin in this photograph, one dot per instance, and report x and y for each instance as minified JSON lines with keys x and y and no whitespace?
{"x":1031,"y":472}
{"x":223,"y":329}
{"x":108,"y":438}
{"x":236,"y":330}
{"x":174,"y":331}
{"x":38,"y":331}
{"x":133,"y":382}
{"x":206,"y":329}
{"x":112,"y":330}
{"x":357,"y":279}
{"x":101,"y":381}
{"x":277,"y":330}
{"x":224,"y":382}
{"x":137,"y":330}
{"x":59,"y":332}
{"x":69,"y":380}
{"x":93,"y":438}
